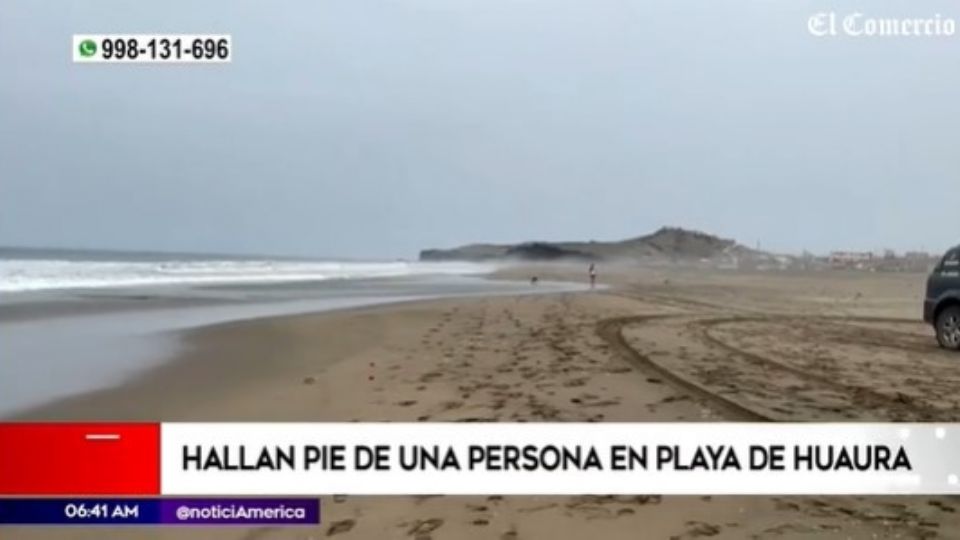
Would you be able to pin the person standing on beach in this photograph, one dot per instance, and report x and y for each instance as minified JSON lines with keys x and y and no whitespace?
{"x":593,"y":275}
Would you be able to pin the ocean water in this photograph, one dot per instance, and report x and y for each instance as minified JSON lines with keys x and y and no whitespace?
{"x":35,"y":270}
{"x":77,"y":321}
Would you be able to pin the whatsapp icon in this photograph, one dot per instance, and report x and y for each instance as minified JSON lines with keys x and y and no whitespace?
{"x":88,"y":48}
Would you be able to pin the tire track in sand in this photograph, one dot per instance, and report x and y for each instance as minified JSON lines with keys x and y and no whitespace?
{"x":746,"y":374}
{"x":611,"y":330}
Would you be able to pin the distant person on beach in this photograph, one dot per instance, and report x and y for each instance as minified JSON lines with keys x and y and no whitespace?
{"x":593,"y":275}
{"x":534,"y":280}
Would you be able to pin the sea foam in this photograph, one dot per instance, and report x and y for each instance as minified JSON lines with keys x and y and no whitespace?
{"x":47,"y":274}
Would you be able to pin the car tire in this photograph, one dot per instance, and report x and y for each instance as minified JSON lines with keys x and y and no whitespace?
{"x":948,"y":328}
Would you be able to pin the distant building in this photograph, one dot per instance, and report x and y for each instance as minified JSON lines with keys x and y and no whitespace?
{"x":851,"y":259}
{"x":919,"y":261}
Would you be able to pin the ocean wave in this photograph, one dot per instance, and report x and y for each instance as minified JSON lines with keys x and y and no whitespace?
{"x":50,"y":274}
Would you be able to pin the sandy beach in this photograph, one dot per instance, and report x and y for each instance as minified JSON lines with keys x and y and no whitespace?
{"x":655,"y":346}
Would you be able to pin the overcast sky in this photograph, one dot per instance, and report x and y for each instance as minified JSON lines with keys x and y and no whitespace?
{"x":375,"y":128}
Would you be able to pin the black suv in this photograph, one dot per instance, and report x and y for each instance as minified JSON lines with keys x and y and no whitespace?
{"x":941,"y":308}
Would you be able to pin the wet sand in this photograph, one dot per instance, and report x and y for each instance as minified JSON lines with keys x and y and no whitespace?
{"x":657,"y":346}
{"x":99,"y":338}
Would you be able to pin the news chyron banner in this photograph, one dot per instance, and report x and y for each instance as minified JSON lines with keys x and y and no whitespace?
{"x":314,"y":459}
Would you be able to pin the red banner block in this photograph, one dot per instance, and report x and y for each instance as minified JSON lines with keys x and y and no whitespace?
{"x":80,"y":459}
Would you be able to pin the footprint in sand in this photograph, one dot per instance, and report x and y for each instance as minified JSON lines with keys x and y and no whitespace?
{"x":941,"y":505}
{"x":423,"y":527}
{"x":430,"y":376}
{"x":342,"y":526}
{"x":451,"y":405}
{"x":699,"y":529}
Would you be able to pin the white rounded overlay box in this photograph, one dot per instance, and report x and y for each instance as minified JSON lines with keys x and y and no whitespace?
{"x":272,"y":458}
{"x":152,"y":48}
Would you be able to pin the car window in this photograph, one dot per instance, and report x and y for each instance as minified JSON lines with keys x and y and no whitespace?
{"x":951,"y":261}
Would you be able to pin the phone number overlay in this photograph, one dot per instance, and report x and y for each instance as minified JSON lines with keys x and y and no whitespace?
{"x":152,"y":48}
{"x":167,"y":511}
